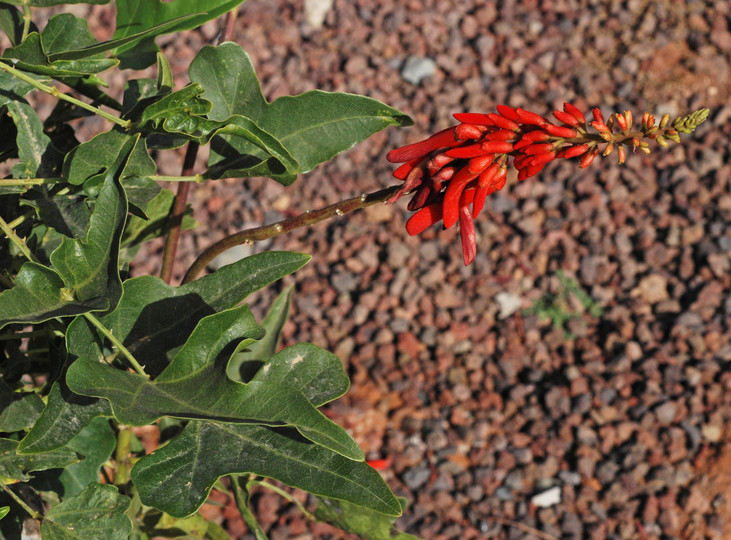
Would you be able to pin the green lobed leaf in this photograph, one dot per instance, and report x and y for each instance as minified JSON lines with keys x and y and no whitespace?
{"x":21,"y":412}
{"x":65,"y":416}
{"x":177,"y":477}
{"x":90,"y":267}
{"x":257,"y":354}
{"x":40,"y":294}
{"x":68,"y":213}
{"x":38,"y":157}
{"x":49,"y":3}
{"x":195,"y":385}
{"x":65,"y":32}
{"x":153,"y":319}
{"x":14,"y":88}
{"x":314,"y":127}
{"x":97,"y":512}
{"x":356,"y":519}
{"x":11,"y":22}
{"x":135,"y":16}
{"x":29,"y":56}
{"x":15,"y":466}
{"x":96,"y":442}
{"x":100,"y":154}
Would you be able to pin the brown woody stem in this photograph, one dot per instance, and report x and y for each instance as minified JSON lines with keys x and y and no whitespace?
{"x":305,"y":219}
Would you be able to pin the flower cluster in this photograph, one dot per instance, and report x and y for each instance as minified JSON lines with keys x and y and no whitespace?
{"x":460,"y":166}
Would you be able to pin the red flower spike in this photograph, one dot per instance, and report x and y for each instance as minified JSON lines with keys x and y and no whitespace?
{"x":454,"y":191}
{"x":531,"y":137}
{"x":442,"y":139}
{"x":465,"y":132}
{"x":473,"y":118}
{"x":598,"y":116}
{"x":560,"y":131}
{"x":473,"y":150}
{"x":508,"y":112}
{"x":497,"y":147}
{"x":503,"y":122}
{"x":479,"y":164}
{"x":621,"y":122}
{"x":575,"y":112}
{"x":424,"y":218}
{"x":528,"y":117}
{"x":573,"y":151}
{"x":588,"y":157}
{"x":566,"y":118}
{"x":468,"y":236}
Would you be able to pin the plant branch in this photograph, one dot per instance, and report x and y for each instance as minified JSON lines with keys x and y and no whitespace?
{"x":15,"y":239}
{"x":34,"y":514}
{"x":175,"y":221}
{"x":241,"y":496}
{"x":311,"y":217}
{"x":118,"y":344}
{"x":121,"y":456}
{"x":282,"y":493}
{"x":55,"y":92}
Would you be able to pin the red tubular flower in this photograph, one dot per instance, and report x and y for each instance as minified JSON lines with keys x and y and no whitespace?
{"x":462,"y":165}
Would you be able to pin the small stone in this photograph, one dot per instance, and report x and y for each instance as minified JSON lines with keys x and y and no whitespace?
{"x":508,"y":303}
{"x":666,"y":412}
{"x":652,"y":289}
{"x":316,"y":11}
{"x":417,"y":68}
{"x":711,"y":433}
{"x":417,"y":477}
{"x":547,"y":498}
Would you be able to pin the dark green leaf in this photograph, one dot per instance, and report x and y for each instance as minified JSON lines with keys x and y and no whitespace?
{"x":194,"y":385}
{"x":100,"y":154}
{"x":356,"y":519}
{"x":97,"y":512}
{"x":135,"y":16}
{"x":39,"y":294}
{"x":49,"y":3}
{"x":38,"y":157}
{"x":90,"y":267}
{"x":14,"y":88}
{"x":21,"y":412}
{"x":69,"y":214}
{"x":139,"y":230}
{"x":16,"y":467}
{"x":178,"y":476}
{"x":11,"y":22}
{"x":65,"y":416}
{"x":244,"y":364}
{"x":154,"y":319}
{"x":4,"y":511}
{"x":96,"y":443}
{"x":29,"y":56}
{"x":314,"y":127}
{"x":65,"y":32}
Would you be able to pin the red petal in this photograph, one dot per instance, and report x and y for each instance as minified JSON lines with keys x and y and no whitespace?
{"x":468,"y":236}
{"x":497,"y":147}
{"x":499,"y":135}
{"x":424,"y":218}
{"x":503,"y":122}
{"x":473,"y":150}
{"x":508,"y":112}
{"x":478,"y":164}
{"x":575,"y":112}
{"x":566,"y":118}
{"x":598,"y":116}
{"x":560,"y":131}
{"x":529,"y":117}
{"x":531,"y":137}
{"x":537,"y":148}
{"x":442,"y":139}
{"x":474,"y":118}
{"x":573,"y":151}
{"x":478,"y":203}
{"x":451,"y":196}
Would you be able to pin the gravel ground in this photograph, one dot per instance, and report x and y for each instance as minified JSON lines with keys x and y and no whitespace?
{"x":574,"y":379}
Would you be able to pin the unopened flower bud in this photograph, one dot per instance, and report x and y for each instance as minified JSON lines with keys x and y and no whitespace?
{"x":664,"y":120}
{"x":621,"y":155}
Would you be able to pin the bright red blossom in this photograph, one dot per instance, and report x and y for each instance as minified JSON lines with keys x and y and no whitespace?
{"x":461,"y":165}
